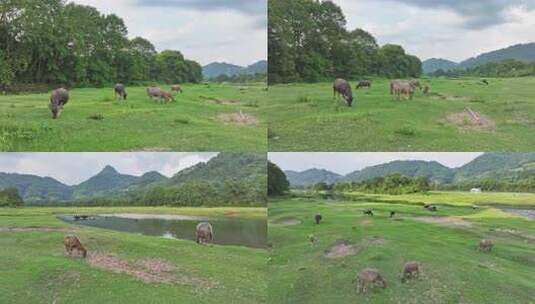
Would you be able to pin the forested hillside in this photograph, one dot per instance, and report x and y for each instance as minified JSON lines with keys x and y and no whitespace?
{"x":52,"y":42}
{"x":227,"y":179}
{"x":308,"y":41}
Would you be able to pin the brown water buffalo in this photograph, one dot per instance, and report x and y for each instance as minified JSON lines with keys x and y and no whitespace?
{"x":410,"y":270}
{"x":58,"y":99}
{"x":161,"y":95}
{"x":204,"y":233}
{"x":364,"y":84}
{"x":415,"y":84}
{"x":369,"y":278}
{"x":168,"y":97}
{"x":120,"y":91}
{"x":176,"y":88}
{"x":318,"y":218}
{"x":72,"y":243}
{"x":343,"y":88}
{"x":400,"y":88}
{"x":485,"y":245}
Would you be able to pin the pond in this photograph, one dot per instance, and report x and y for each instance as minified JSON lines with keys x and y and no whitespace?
{"x":527,"y":213}
{"x":227,"y":231}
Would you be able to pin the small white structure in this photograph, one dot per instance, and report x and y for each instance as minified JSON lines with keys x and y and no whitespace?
{"x":475,"y":190}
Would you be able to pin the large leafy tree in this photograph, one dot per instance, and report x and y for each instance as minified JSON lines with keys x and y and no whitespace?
{"x":277,"y":182}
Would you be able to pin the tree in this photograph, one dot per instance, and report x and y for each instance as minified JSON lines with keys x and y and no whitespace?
{"x":277,"y":182}
{"x":10,"y":197}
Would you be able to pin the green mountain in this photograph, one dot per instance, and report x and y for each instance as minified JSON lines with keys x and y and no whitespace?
{"x":36,"y":188}
{"x":215,"y":69}
{"x":311,"y":177}
{"x":106,"y":182}
{"x":506,"y":166}
{"x":435,"y":64}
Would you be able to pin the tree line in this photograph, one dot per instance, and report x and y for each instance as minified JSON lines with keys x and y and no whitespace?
{"x":502,"y":69}
{"x":308,"y":41}
{"x":52,"y":42}
{"x":10,"y":197}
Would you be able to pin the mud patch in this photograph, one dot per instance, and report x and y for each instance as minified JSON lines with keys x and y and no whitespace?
{"x":230,"y":102}
{"x":471,"y":121}
{"x":341,"y":250}
{"x":238,"y":118}
{"x":287,"y":221}
{"x":38,"y":229}
{"x":446,"y":221}
{"x":148,"y":270}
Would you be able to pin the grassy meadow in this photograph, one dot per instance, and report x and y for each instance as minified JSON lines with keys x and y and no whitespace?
{"x":203,"y":118}
{"x":444,"y":243}
{"x":35,"y":270}
{"x":304,"y":117}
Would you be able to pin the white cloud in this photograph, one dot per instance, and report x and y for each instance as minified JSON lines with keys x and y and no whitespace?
{"x":201,"y":32}
{"x":73,"y":168}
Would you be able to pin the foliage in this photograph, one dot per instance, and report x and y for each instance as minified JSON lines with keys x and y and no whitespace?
{"x":308,"y":41}
{"x":277,"y":182}
{"x":505,"y":68}
{"x":49,"y":41}
{"x":9,"y":197}
{"x":391,"y":184}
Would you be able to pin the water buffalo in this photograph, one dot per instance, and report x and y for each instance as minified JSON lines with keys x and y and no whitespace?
{"x":176,"y":88}
{"x":485,"y":245}
{"x":485,"y":82}
{"x":401,"y":88}
{"x":392,"y":214}
{"x":120,"y":91}
{"x":161,"y":95}
{"x":58,"y":99}
{"x":369,"y":278}
{"x":71,"y":243}
{"x":204,"y":232}
{"x":368,"y":212}
{"x":343,"y":88}
{"x":318,"y":218}
{"x":410,"y":270}
{"x":364,"y":84}
{"x":415,"y":84}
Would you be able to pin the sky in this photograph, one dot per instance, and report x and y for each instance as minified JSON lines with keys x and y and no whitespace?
{"x":233,"y":31}
{"x":449,"y":29}
{"x":344,"y":163}
{"x":74,"y":168}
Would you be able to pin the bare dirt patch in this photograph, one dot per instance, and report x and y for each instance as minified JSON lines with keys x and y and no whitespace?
{"x":148,"y":271}
{"x":287,"y":221}
{"x":341,"y":250}
{"x":39,"y":229}
{"x":230,"y":102}
{"x":238,"y":118}
{"x":470,"y":120}
{"x":447,"y":221}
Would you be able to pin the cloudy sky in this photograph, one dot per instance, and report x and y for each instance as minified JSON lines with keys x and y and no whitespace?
{"x":233,"y":31}
{"x":344,"y":163}
{"x":450,"y":29}
{"x":73,"y":168}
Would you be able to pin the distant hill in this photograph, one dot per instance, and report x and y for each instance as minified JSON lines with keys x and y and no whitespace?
{"x":244,"y":168}
{"x":522,"y":52}
{"x":435,"y":64}
{"x":311,"y":177}
{"x":215,"y":69}
{"x":497,"y":165}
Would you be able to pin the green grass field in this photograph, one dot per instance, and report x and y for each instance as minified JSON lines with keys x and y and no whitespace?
{"x":444,"y":243}
{"x":202,"y":119}
{"x":35,"y":270}
{"x":304,"y":117}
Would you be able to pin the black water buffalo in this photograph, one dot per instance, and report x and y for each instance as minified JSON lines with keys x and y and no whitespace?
{"x":204,"y":232}
{"x":120,"y":91}
{"x":58,"y":99}
{"x":368,"y":212}
{"x":364,"y":84}
{"x":343,"y":88}
{"x":318,"y":218}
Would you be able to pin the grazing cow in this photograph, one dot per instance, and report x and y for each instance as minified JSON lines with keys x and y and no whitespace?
{"x":167,"y":96}
{"x":485,"y":245}
{"x":392,"y":214}
{"x":430,"y":207}
{"x":176,"y":88}
{"x":161,"y":95}
{"x":58,"y":99}
{"x":410,"y":270}
{"x":415,"y":84}
{"x":368,"y":212}
{"x":204,"y":232}
{"x":343,"y":88}
{"x":318,"y":218}
{"x":485,"y":82}
{"x":364,"y":84}
{"x":120,"y":91}
{"x":369,"y":278}
{"x":403,"y":88}
{"x":71,"y":243}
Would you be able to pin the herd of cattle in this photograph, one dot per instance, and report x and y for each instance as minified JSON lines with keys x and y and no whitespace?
{"x":370,"y":277}
{"x":204,"y":233}
{"x":60,"y":97}
{"x":398,"y":87}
